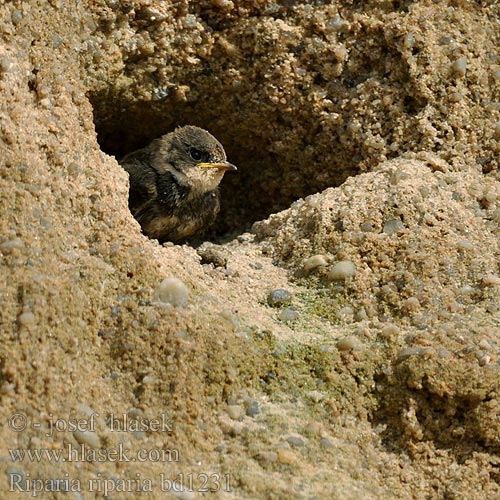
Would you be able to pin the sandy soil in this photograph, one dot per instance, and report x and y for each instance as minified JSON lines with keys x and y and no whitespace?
{"x":367,"y":136}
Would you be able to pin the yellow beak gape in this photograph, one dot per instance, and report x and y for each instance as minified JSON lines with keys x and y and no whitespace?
{"x":222,"y":165}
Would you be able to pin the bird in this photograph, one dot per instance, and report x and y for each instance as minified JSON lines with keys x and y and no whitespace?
{"x":174,"y":180}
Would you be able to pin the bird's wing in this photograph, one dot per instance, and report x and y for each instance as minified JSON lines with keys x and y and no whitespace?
{"x":142,"y":178}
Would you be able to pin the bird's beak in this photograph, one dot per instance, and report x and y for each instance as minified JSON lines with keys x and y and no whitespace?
{"x":221,"y":165}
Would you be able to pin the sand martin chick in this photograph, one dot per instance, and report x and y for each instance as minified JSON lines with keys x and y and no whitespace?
{"x":174,"y":183}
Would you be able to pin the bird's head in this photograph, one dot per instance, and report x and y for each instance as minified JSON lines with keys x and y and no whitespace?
{"x":195,"y":157}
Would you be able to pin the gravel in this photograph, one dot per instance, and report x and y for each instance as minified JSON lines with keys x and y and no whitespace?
{"x":342,"y":270}
{"x":279,"y":297}
{"x":172,"y":291}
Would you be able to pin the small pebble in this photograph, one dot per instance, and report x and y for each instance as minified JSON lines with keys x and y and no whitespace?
{"x":87,"y":438}
{"x":412,"y":351}
{"x":5,"y":64}
{"x":190,"y":21}
{"x":16,"y":16}
{"x":8,"y":246}
{"x":184,"y":495}
{"x":411,"y":304}
{"x":246,"y":238}
{"x":267,"y":457}
{"x":484,"y":360}
{"x":224,"y":4}
{"x":315,"y":396}
{"x":465,"y":245}
{"x":45,"y":222}
{"x":393,"y":226}
{"x":349,"y":343}
{"x":314,"y":262}
{"x":491,"y":280}
{"x":253,"y":409}
{"x":235,"y":412}
{"x":336,"y":23}
{"x":497,"y":129}
{"x":212,"y":254}
{"x":361,"y":314}
{"x":459,"y":66}
{"x":366,"y":227}
{"x":466,"y":290}
{"x":278,"y":297}
{"x":496,"y":215}
{"x":295,"y":441}
{"x":409,"y":40}
{"x":13,"y":470}
{"x":26,"y":318}
{"x":286,"y":457}
{"x":86,"y":410}
{"x":443,"y":352}
{"x":389,"y":332}
{"x":288,"y":315}
{"x":342,"y":270}
{"x":172,"y":291}
{"x":345,"y":313}
{"x":485,"y":344}
{"x":326,"y":443}
{"x":45,"y":103}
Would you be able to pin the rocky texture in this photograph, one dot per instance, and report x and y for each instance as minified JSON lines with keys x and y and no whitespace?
{"x":385,"y":380}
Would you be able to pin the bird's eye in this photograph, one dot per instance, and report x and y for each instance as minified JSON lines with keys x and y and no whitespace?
{"x":195,"y":154}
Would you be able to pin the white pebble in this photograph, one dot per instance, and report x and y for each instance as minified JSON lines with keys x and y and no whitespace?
{"x":224,"y":4}
{"x":459,"y":66}
{"x":316,"y":396}
{"x":409,"y":40}
{"x":491,"y":280}
{"x":172,"y":291}
{"x":413,"y":351}
{"x":393,"y":226}
{"x":466,"y":290}
{"x":411,"y":304}
{"x":336,"y":23}
{"x":497,"y":129}
{"x":465,"y":245}
{"x":184,"y":495}
{"x":345,"y":313}
{"x":485,"y":345}
{"x":314,"y":262}
{"x":390,"y":331}
{"x":86,"y":409}
{"x":16,"y":16}
{"x":26,"y":318}
{"x":342,"y":270}
{"x":190,"y":21}
{"x":348,"y":344}
{"x":88,"y":438}
{"x":235,"y":412}
{"x":9,"y":246}
{"x":484,"y":360}
{"x":5,"y":64}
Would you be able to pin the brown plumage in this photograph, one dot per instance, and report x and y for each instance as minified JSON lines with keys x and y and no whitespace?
{"x":174,"y":183}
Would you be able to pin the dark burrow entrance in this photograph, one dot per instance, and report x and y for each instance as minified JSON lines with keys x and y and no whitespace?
{"x":274,"y":169}
{"x":295,"y":118}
